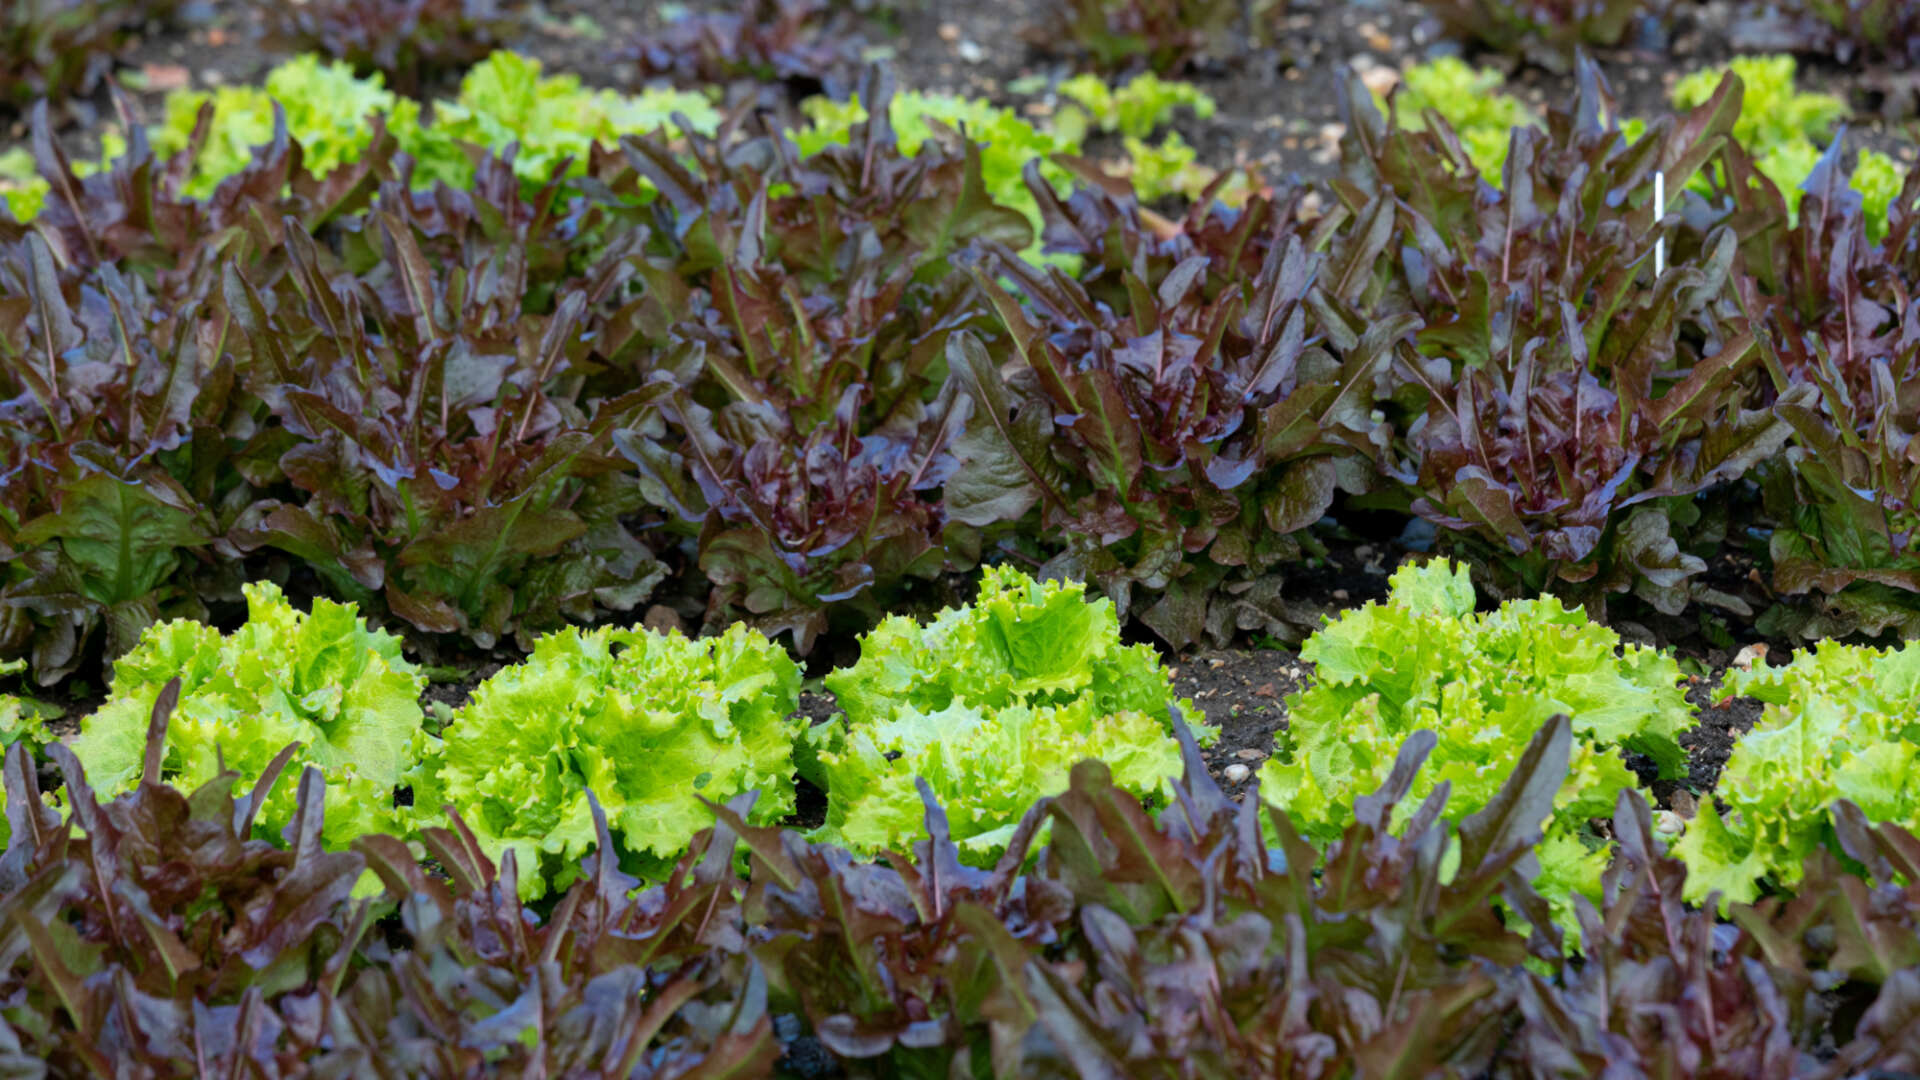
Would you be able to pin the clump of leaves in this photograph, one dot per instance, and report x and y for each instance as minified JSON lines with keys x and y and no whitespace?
{"x":1135,"y":108}
{"x":1546,"y":32}
{"x":1784,"y":128}
{"x":57,"y":48}
{"x":991,"y":704}
{"x":1483,"y":684}
{"x":649,"y":723}
{"x":1840,"y":350}
{"x":1305,"y":951}
{"x":327,"y":109}
{"x":805,"y":45}
{"x":22,"y":720}
{"x":1839,"y":723}
{"x":1852,"y":31}
{"x":1565,"y":407}
{"x":506,"y":100}
{"x":439,"y":463}
{"x":409,"y":41}
{"x":799,"y":313}
{"x":1162,"y":36}
{"x":1180,"y":397}
{"x":1006,"y":141}
{"x":157,"y":934}
{"x":322,"y":679}
{"x":1473,"y":103}
{"x":338,"y":118}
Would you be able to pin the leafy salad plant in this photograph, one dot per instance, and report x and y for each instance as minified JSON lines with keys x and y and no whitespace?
{"x":1840,"y":722}
{"x":1483,"y":684}
{"x":322,"y":679}
{"x":1546,"y":32}
{"x":991,"y":704}
{"x":56,"y":48}
{"x":504,"y":100}
{"x":408,"y":41}
{"x":1008,"y":143}
{"x":650,"y":724}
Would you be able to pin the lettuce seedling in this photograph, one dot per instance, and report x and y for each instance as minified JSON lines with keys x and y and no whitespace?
{"x":1840,"y":723}
{"x":1483,"y":684}
{"x":323,"y":679}
{"x":992,"y":704}
{"x":651,"y":724}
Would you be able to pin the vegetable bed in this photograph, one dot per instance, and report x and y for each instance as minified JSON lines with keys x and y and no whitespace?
{"x":851,"y":537}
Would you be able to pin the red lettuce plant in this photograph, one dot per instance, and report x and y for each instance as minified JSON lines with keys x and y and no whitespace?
{"x":154,"y":934}
{"x":1854,"y":30}
{"x":1567,"y":404}
{"x":1546,"y":32}
{"x":1161,"y":35}
{"x":1843,"y":352}
{"x":801,"y":311}
{"x":55,"y":48}
{"x":408,"y":41}
{"x":1173,"y":418}
{"x":809,"y":45}
{"x":424,"y":416}
{"x":125,"y":414}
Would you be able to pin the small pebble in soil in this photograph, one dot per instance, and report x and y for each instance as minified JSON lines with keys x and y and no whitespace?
{"x":1236,"y":772}
{"x":1249,"y":754}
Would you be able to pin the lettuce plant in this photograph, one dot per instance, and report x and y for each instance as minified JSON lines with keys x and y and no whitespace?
{"x":1006,"y":141}
{"x":331,"y":112}
{"x":649,"y":724}
{"x":505,"y":100}
{"x":1161,"y":35}
{"x":1560,"y":415}
{"x":20,"y":720}
{"x":1840,"y":360}
{"x":1134,"y":108}
{"x":1852,"y":31}
{"x":322,"y":679}
{"x":408,"y":41}
{"x":327,"y":109}
{"x":991,"y":704}
{"x":1470,"y":100}
{"x":1544,"y":31}
{"x":1483,"y":684}
{"x":56,"y":48}
{"x":1840,"y":722}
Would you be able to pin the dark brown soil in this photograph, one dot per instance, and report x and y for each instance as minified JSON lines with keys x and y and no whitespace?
{"x":1243,"y":693}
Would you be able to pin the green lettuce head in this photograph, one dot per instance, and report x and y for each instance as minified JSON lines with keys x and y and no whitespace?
{"x":1484,"y":684}
{"x":650,"y":723}
{"x":322,"y":679}
{"x":992,"y":704}
{"x":1841,"y":722}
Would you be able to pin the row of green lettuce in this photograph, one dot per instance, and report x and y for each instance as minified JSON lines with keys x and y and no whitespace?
{"x":991,"y":705}
{"x":506,"y":100}
{"x":1783,"y":127}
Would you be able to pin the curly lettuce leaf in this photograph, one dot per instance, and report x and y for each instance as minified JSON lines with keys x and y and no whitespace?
{"x":505,"y":100}
{"x":322,"y":679}
{"x":1482,"y":683}
{"x":649,"y":723}
{"x":992,"y":704}
{"x":1841,"y":722}
{"x":1134,"y":109}
{"x":1470,"y":101}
